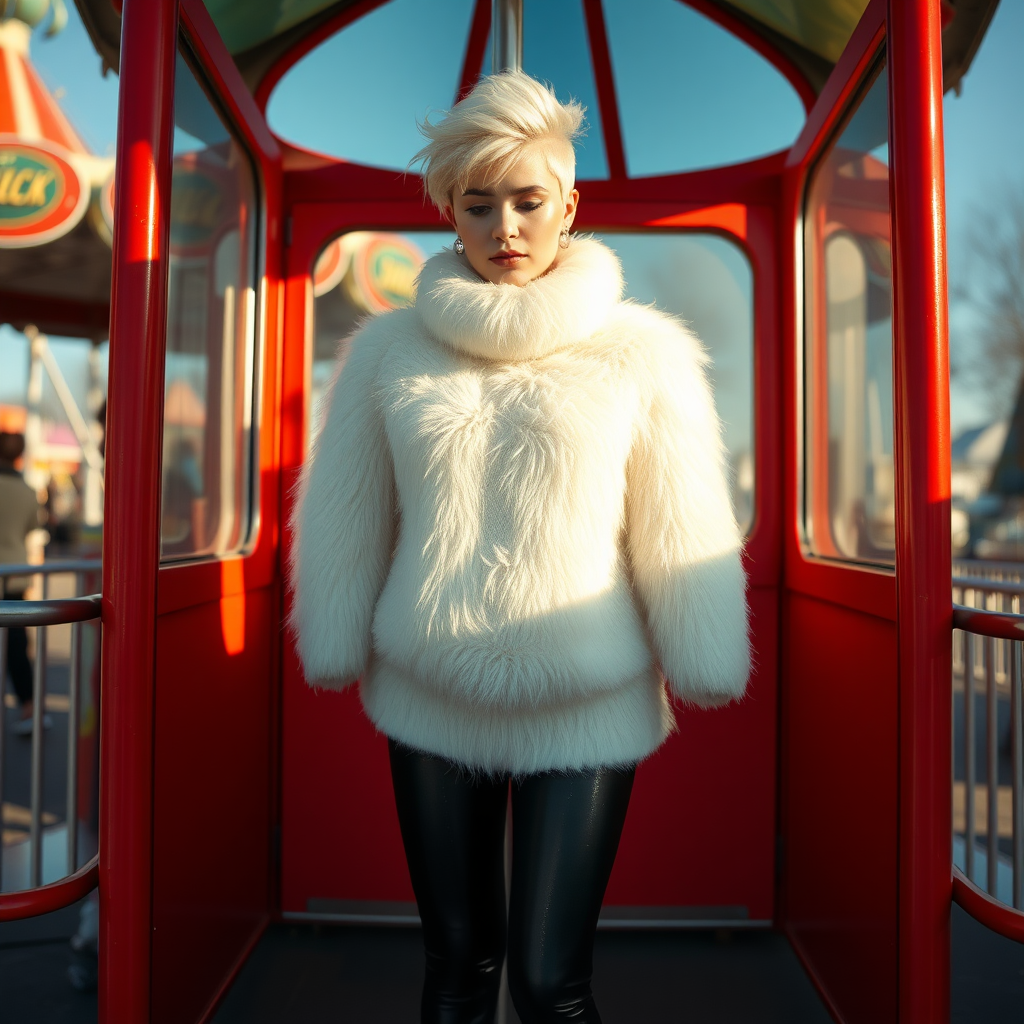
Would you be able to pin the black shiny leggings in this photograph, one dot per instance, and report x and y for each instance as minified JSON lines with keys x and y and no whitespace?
{"x":566,"y":830}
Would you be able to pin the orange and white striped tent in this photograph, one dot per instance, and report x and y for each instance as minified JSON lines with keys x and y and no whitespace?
{"x":55,"y":204}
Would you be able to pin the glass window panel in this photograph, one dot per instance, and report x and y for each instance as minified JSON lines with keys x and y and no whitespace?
{"x":375,"y":79}
{"x":691,"y":94}
{"x":208,"y":397}
{"x":555,"y":50}
{"x":849,"y":487}
{"x":984,"y":151}
{"x":703,"y":278}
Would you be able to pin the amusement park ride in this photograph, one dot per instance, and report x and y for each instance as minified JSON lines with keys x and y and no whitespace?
{"x":829,"y":815}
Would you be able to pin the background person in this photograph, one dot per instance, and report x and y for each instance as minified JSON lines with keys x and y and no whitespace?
{"x":19,"y":516}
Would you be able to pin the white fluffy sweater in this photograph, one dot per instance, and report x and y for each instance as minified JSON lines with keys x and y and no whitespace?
{"x":516,"y":524}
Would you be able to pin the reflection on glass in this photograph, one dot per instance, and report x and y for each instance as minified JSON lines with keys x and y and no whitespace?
{"x":210,"y":307}
{"x":849,"y":488}
{"x":702,"y":278}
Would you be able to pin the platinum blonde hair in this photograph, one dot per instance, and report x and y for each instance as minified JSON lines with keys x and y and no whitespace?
{"x":486,"y":131}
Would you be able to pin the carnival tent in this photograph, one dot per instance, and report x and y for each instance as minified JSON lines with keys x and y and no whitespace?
{"x":55,"y":205}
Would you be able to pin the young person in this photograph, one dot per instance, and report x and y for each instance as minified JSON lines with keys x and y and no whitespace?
{"x":514,"y":530}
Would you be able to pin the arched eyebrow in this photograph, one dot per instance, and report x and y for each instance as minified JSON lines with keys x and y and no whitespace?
{"x":512,"y":192}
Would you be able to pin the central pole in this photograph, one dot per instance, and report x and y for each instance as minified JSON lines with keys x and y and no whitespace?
{"x":507,"y":32}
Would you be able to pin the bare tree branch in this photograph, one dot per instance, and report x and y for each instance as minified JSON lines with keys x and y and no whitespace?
{"x":988,"y":357}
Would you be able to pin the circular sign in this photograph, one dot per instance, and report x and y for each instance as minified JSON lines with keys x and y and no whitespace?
{"x":101,"y":210}
{"x":383,"y":274}
{"x":41,"y":194}
{"x":330,"y":267}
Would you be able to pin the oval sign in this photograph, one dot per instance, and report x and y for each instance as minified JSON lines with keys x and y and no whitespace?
{"x":330,"y":267}
{"x":384,"y":272}
{"x":101,"y":210}
{"x":41,"y":195}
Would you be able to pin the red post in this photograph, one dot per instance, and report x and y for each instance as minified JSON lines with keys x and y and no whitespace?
{"x":131,"y":531}
{"x":922,"y":507}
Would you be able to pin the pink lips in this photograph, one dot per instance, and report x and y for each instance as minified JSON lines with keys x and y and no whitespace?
{"x":508,"y":259}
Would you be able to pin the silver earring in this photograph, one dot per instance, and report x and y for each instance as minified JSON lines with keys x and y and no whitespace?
{"x":563,"y":239}
{"x":460,"y":245}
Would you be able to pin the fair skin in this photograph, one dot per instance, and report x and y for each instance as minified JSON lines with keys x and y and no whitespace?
{"x":511,"y":226}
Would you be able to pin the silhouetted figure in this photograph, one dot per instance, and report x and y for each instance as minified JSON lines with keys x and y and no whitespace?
{"x":19,"y":516}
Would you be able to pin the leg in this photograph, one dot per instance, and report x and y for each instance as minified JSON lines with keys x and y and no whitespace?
{"x":18,"y":664}
{"x":453,"y":828}
{"x":565,"y":832}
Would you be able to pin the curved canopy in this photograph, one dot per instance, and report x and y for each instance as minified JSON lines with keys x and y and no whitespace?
{"x":807,"y":34}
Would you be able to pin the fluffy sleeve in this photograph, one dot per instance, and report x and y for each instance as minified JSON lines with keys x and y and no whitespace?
{"x":344,"y":521}
{"x":683,"y":541}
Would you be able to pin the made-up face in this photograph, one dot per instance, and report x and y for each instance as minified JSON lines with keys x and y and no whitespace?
{"x":511,"y":227}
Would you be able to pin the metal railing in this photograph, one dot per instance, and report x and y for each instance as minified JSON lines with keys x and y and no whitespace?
{"x":988,"y":664}
{"x":73,"y":611}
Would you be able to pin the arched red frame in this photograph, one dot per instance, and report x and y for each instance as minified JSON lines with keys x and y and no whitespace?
{"x":758,"y":204}
{"x":163,"y":628}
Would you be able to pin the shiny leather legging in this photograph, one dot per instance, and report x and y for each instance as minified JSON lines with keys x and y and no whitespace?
{"x":565,"y":831}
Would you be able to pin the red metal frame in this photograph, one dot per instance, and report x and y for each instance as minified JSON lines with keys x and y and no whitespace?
{"x":600,"y":56}
{"x":868,"y":589}
{"x":149,"y":35}
{"x":838,"y":736}
{"x":234,"y":742}
{"x":982,"y":907}
{"x":149,"y":771}
{"x":922,"y":463}
{"x":183,"y":586}
{"x":473,"y":61}
{"x":47,"y":898}
{"x":1004,"y":625}
{"x":742,"y":202}
{"x":917,"y":597}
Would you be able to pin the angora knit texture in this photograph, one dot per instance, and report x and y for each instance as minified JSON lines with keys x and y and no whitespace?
{"x":515,"y":525}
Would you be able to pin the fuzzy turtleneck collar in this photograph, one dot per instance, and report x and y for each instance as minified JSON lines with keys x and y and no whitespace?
{"x":509,"y":323}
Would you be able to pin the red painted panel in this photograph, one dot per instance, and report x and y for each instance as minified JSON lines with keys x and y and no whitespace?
{"x":701,"y":824}
{"x":839,"y":763}
{"x":211,"y":796}
{"x":839,"y":709}
{"x":189,"y":780}
{"x":340,"y":837}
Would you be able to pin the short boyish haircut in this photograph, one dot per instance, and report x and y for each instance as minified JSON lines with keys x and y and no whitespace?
{"x":486,"y":131}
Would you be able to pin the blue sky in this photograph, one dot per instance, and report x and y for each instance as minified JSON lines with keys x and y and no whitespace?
{"x":372,"y":83}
